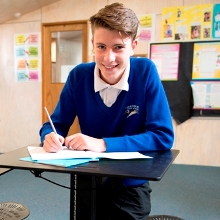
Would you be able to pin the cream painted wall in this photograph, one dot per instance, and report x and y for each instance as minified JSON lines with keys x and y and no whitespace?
{"x":21,"y":107}
{"x":20,"y":111}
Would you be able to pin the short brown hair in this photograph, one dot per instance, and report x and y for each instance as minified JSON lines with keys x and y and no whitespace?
{"x":116,"y":17}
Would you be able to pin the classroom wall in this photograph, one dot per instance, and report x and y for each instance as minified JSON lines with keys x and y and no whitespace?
{"x":21,"y":103}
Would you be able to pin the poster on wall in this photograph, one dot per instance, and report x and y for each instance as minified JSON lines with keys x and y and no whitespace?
{"x":166,"y":59}
{"x":216,"y":21}
{"x":206,"y":95}
{"x":187,"y":22}
{"x":146,"y":30}
{"x":206,"y":61}
{"x":27,"y":53}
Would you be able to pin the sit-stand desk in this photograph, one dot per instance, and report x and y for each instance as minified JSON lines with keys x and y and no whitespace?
{"x":149,"y":169}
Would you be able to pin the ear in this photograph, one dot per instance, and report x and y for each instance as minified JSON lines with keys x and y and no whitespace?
{"x":133,"y":47}
{"x":92,"y":41}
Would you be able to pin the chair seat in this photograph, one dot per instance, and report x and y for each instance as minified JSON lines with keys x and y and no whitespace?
{"x":163,"y":217}
{"x":13,"y":211}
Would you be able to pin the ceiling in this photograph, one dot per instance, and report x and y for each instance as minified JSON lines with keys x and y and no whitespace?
{"x":9,"y":8}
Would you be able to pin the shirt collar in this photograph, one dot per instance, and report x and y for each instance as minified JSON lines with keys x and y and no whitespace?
{"x":99,"y":84}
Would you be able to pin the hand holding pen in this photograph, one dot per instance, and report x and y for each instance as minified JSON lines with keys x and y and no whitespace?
{"x":53,"y":142}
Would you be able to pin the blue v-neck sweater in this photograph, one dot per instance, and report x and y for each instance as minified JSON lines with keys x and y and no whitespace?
{"x":139,"y":120}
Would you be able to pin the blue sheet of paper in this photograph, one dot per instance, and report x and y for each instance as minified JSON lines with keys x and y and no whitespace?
{"x":58,"y":162}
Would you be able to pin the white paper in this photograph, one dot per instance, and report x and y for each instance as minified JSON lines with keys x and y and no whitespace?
{"x":38,"y":153}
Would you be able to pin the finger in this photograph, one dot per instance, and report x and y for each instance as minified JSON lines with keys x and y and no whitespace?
{"x":82,"y":148}
{"x":70,"y":141}
{"x":50,"y":146}
{"x":52,"y":142}
{"x":61,"y":139}
{"x":57,"y":141}
{"x":75,"y":144}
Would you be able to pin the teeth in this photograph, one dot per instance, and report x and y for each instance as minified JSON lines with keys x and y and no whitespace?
{"x":109,"y":67}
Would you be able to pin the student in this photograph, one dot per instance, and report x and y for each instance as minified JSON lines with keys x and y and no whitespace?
{"x":206,"y":16}
{"x":195,"y":32}
{"x":121,"y":106}
{"x":168,"y":31}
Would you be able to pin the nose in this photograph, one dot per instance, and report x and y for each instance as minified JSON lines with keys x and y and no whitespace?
{"x":109,"y":56}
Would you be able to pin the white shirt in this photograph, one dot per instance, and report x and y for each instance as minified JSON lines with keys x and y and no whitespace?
{"x":109,"y":93}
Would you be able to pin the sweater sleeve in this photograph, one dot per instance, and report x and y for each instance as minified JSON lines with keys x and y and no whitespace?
{"x":64,"y":112}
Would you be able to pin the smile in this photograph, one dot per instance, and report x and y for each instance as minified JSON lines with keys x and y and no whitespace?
{"x":110,"y":67}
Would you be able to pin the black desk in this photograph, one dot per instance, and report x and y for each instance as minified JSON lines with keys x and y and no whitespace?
{"x":149,"y":169}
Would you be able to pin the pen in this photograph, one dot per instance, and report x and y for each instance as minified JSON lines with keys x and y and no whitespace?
{"x":51,"y":123}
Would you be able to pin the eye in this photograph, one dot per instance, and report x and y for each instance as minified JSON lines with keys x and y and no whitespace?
{"x":101,"y":47}
{"x":119,"y":47}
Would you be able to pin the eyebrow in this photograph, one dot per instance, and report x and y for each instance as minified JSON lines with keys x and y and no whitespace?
{"x":119,"y":44}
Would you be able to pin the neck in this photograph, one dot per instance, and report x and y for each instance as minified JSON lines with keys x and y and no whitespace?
{"x":111,"y":81}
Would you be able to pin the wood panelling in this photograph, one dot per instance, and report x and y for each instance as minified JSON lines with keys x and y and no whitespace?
{"x":21,"y":106}
{"x":198,"y":141}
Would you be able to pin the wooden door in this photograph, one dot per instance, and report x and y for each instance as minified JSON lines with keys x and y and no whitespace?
{"x":55,"y":57}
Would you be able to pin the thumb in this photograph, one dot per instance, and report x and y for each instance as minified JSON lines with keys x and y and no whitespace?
{"x":61,"y":139}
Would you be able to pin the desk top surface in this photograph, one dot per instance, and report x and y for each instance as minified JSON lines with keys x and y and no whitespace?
{"x":150,"y":169}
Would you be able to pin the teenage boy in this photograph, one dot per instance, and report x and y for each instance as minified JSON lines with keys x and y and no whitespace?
{"x":121,"y":106}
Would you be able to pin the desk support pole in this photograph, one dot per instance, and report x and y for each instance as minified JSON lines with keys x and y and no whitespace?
{"x":93,"y":199}
{"x":73,"y":182}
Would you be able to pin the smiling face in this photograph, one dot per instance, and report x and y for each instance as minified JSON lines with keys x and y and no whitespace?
{"x":112,"y":51}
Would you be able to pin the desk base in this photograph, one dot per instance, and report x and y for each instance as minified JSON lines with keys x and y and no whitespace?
{"x":84,"y":205}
